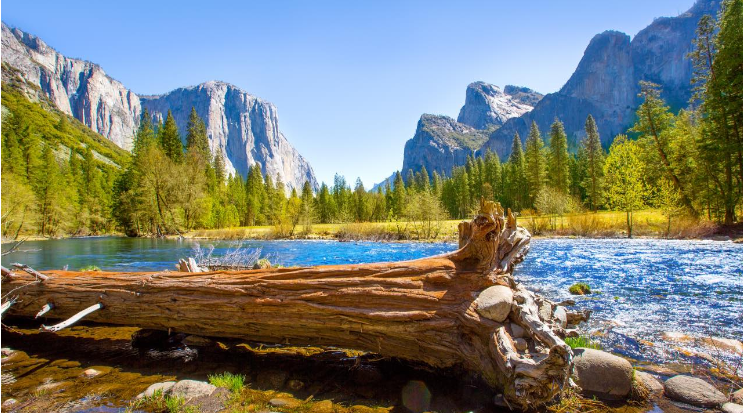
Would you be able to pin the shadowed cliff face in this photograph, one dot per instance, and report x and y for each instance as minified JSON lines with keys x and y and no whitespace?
{"x":243,"y":127}
{"x":606,"y":82}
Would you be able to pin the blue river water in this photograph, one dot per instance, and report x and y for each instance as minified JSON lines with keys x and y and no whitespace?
{"x":646,"y":287}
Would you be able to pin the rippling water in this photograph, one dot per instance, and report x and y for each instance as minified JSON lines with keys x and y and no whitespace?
{"x":647,"y":287}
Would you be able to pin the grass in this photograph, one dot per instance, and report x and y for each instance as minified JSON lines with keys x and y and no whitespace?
{"x":582,"y":342}
{"x":161,"y":403}
{"x":602,"y":224}
{"x":90,"y":268}
{"x":580,"y":289}
{"x":232,"y":382}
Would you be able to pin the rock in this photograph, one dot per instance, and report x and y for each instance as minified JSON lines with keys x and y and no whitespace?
{"x":272,"y":379}
{"x":649,"y":382}
{"x":732,"y":408}
{"x":190,"y":389}
{"x":567,"y":303}
{"x":324,"y":406}
{"x":212,"y":403}
{"x":694,"y":391}
{"x":9,"y":402}
{"x":601,"y":374}
{"x":737,"y":396}
{"x":518,"y":331}
{"x":572,"y":333}
{"x":577,"y":317}
{"x":486,"y":105}
{"x":163,"y":387}
{"x":283,"y":402}
{"x":90,"y":373}
{"x":561,"y":316}
{"x":6,"y":352}
{"x":495,"y":302}
{"x":197,"y":341}
{"x":243,"y":127}
{"x":520,"y":344}
{"x":726,"y":344}
{"x":262,"y":264}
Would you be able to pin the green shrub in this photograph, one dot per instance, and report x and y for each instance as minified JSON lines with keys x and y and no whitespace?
{"x":582,"y":342}
{"x":580,"y":289}
{"x":90,"y":268}
{"x":233,"y":382}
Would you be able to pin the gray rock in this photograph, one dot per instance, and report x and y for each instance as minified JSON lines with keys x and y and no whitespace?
{"x":191,"y":389}
{"x":694,"y":391}
{"x":283,"y":402}
{"x":649,"y":382}
{"x":545,"y":310}
{"x":518,"y":331}
{"x":495,"y":302}
{"x":163,"y":387}
{"x":520,"y":344}
{"x":732,"y":408}
{"x":560,"y":316}
{"x":601,"y":374}
{"x":737,"y":396}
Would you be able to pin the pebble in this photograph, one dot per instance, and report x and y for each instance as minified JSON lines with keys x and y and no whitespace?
{"x":283,"y":402}
{"x":9,"y":402}
{"x":649,"y":381}
{"x":90,"y":373}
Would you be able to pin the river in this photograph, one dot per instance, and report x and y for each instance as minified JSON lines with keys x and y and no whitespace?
{"x":646,"y":288}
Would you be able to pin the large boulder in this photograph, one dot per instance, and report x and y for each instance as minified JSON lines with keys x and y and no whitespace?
{"x":162,"y":387}
{"x":601,"y":374}
{"x":191,"y":389}
{"x":495,"y":302}
{"x":694,"y":391}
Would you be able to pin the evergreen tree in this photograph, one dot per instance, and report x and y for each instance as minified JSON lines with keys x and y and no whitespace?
{"x":398,"y":196}
{"x":517,"y":182}
{"x":594,"y":164}
{"x":558,"y":173}
{"x":534,"y":163}
{"x":170,"y":139}
{"x":196,"y":137}
{"x":145,"y":133}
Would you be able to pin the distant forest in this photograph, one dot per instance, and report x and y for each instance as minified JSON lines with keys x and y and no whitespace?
{"x":59,"y":178}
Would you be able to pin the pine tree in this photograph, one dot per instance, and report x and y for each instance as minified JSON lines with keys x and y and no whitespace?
{"x":517,"y":182}
{"x":534,"y":163}
{"x":558,"y":173}
{"x":493,"y":174}
{"x":398,"y":196}
{"x":170,"y":139}
{"x":196,"y":137}
{"x":594,"y":164}
{"x":145,"y":133}
{"x":219,"y":169}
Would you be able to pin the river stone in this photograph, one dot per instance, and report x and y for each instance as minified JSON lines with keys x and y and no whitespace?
{"x":324,"y":406}
{"x":520,"y":344}
{"x":518,"y":331}
{"x":738,"y":396}
{"x":90,"y":373}
{"x":190,"y":389}
{"x":732,"y":408}
{"x":162,"y":387}
{"x":495,"y":302}
{"x":283,"y":402}
{"x":561,"y":316}
{"x":649,"y":381}
{"x":601,"y":374}
{"x":694,"y":391}
{"x":9,"y":402}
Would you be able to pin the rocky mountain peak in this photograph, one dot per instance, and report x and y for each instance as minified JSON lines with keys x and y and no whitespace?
{"x":523,"y":95}
{"x":487,"y":105}
{"x":244,"y":128}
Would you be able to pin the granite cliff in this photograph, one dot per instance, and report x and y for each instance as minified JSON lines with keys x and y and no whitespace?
{"x":244,"y":127}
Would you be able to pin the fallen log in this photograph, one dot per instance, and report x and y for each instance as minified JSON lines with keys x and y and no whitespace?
{"x":425,"y":310}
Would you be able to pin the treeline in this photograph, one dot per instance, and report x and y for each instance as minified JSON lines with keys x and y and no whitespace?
{"x":685,"y":163}
{"x":57,"y":175}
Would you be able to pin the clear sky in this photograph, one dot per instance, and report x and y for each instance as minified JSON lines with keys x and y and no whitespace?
{"x":350,"y":78}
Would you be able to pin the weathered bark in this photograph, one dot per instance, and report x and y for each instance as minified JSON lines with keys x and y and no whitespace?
{"x":422,"y":310}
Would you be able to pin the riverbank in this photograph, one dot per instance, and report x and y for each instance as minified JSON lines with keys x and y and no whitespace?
{"x":602,"y":224}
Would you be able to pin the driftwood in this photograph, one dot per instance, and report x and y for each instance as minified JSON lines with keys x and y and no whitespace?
{"x":423,"y":310}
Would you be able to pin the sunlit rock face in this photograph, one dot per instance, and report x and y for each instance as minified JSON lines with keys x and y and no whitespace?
{"x":244,"y":128}
{"x":77,"y":87}
{"x":606,"y":82}
{"x":487,"y":105}
{"x":241,"y":126}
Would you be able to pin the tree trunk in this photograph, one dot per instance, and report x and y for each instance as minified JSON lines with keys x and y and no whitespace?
{"x":422,"y":310}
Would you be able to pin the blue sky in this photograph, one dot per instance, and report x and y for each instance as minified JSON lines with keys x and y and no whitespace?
{"x":350,"y":78}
